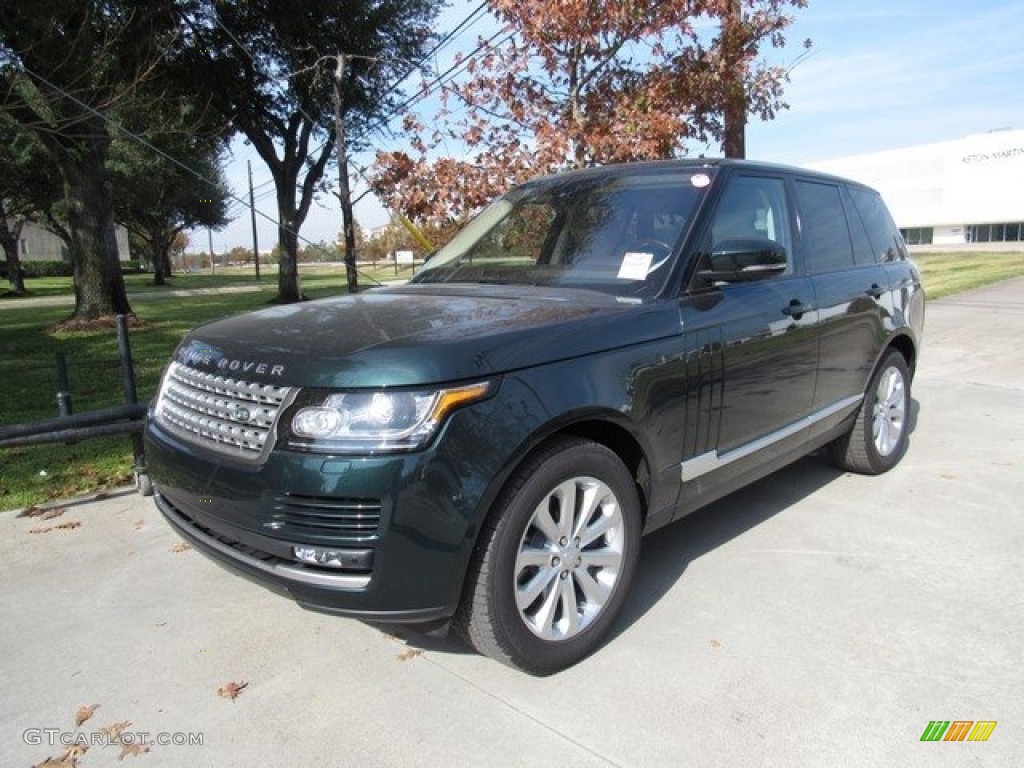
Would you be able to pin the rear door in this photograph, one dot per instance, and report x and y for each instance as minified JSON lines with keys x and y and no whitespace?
{"x":850,"y":292}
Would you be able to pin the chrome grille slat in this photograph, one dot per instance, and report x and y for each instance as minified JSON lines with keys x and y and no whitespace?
{"x":202,"y":408}
{"x":329,"y":515}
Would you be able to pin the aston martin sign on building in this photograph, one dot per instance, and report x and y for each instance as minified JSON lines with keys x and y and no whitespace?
{"x":969,"y":190}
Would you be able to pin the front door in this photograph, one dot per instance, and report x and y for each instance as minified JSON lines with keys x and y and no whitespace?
{"x":751,"y":348}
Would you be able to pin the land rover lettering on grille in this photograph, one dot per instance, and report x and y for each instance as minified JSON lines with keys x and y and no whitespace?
{"x":247,"y":366}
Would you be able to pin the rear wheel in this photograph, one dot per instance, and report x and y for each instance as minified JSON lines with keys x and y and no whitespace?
{"x":879,"y":436}
{"x":555,"y":560}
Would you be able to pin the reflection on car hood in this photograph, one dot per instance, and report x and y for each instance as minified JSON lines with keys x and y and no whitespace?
{"x":422,"y":334}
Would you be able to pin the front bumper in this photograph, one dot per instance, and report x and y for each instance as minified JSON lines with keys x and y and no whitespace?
{"x":404,"y":523}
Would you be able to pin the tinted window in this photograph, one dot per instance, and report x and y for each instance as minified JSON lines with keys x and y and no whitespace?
{"x":824,"y":236}
{"x":753,"y":207}
{"x":886,"y":241}
{"x":863,"y":251}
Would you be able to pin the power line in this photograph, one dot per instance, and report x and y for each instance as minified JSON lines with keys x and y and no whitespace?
{"x":108,"y":120}
{"x":382,"y":122}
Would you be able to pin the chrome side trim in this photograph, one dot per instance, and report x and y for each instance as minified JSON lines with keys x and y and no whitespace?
{"x":710,"y":461}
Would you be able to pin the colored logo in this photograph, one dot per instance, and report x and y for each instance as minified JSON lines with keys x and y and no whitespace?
{"x":958,"y":730}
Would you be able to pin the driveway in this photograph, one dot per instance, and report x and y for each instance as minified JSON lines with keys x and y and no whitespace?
{"x":814,"y":619}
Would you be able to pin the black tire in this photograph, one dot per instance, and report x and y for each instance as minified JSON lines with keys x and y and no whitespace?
{"x":581,"y":583}
{"x":880,"y":434}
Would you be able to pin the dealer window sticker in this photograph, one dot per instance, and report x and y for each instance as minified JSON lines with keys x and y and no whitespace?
{"x":635,"y":265}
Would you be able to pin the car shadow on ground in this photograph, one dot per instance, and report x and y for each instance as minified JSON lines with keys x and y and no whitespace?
{"x":666,"y":553}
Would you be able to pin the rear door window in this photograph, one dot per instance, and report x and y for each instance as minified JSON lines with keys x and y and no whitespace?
{"x":824,"y":235}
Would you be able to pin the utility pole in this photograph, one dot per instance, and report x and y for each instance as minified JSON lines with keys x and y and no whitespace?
{"x":344,"y":192}
{"x":252,"y":212}
{"x":213,"y":258}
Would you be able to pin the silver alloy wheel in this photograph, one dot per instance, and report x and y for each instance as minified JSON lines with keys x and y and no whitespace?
{"x":569,"y":558}
{"x":890,"y":411}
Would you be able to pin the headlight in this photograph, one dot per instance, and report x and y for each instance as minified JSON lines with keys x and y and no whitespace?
{"x":377,"y":421}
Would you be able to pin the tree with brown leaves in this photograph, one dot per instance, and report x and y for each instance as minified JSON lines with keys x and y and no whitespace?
{"x":581,"y":83}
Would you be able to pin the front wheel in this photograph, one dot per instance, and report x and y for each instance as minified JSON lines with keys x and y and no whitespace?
{"x":879,"y":436}
{"x":555,"y":559}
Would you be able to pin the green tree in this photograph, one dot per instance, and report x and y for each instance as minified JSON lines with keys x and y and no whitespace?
{"x":172,"y":183}
{"x":270,"y":68}
{"x":29,"y":191}
{"x":65,"y":65}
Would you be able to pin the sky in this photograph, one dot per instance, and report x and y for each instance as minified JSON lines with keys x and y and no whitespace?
{"x":881,"y":74}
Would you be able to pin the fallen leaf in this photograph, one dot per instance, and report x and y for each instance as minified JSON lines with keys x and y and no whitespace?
{"x":53,"y":762}
{"x":715,"y":644}
{"x":139,"y":524}
{"x":409,"y":653}
{"x":232,"y":690}
{"x":70,"y":525}
{"x":84,"y":713}
{"x":32,"y":511}
{"x":947,"y":476}
{"x":181,"y":546}
{"x":133,"y":750}
{"x":52,"y":513}
{"x":73,"y":752}
{"x":39,"y":530}
{"x":114,"y":730}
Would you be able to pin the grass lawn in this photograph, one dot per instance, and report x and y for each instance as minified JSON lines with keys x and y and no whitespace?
{"x":27,"y":349}
{"x":948,"y":273}
{"x":316,"y":280}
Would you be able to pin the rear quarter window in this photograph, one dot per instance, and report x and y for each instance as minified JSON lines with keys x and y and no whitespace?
{"x":886,"y":240}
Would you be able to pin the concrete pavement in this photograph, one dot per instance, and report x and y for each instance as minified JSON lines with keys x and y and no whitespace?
{"x":814,"y":619}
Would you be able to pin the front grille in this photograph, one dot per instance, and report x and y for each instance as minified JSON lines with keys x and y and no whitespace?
{"x":327,"y":516}
{"x":224,"y":414}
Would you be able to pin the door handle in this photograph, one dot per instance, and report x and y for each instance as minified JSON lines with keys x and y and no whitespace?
{"x":875,"y":291}
{"x":795,"y":309}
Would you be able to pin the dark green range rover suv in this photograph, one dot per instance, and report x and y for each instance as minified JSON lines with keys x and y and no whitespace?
{"x":594,"y":356}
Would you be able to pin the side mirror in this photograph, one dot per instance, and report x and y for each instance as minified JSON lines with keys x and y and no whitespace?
{"x":743,"y":260}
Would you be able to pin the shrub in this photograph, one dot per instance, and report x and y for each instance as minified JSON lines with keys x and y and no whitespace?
{"x":46,"y":268}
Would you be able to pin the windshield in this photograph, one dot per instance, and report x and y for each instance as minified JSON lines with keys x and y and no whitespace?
{"x":614,"y":232}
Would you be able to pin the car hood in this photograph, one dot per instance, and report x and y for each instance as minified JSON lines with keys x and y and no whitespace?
{"x":421,"y":334}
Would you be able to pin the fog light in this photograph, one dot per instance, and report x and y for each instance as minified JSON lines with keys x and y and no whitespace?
{"x":340,"y":559}
{"x":329,"y":558}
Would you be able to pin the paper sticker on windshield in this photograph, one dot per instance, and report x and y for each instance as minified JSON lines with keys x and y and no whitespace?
{"x":635,"y":265}
{"x":700,"y":180}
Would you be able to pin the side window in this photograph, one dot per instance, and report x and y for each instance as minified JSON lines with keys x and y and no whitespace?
{"x":886,"y":240}
{"x":753,"y":208}
{"x":824,"y":236}
{"x":863,"y":251}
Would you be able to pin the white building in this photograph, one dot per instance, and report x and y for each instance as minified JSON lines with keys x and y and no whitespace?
{"x":40,"y":244}
{"x":964,"y":193}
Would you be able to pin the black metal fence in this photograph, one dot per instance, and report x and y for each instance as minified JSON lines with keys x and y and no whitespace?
{"x":127,"y":418}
